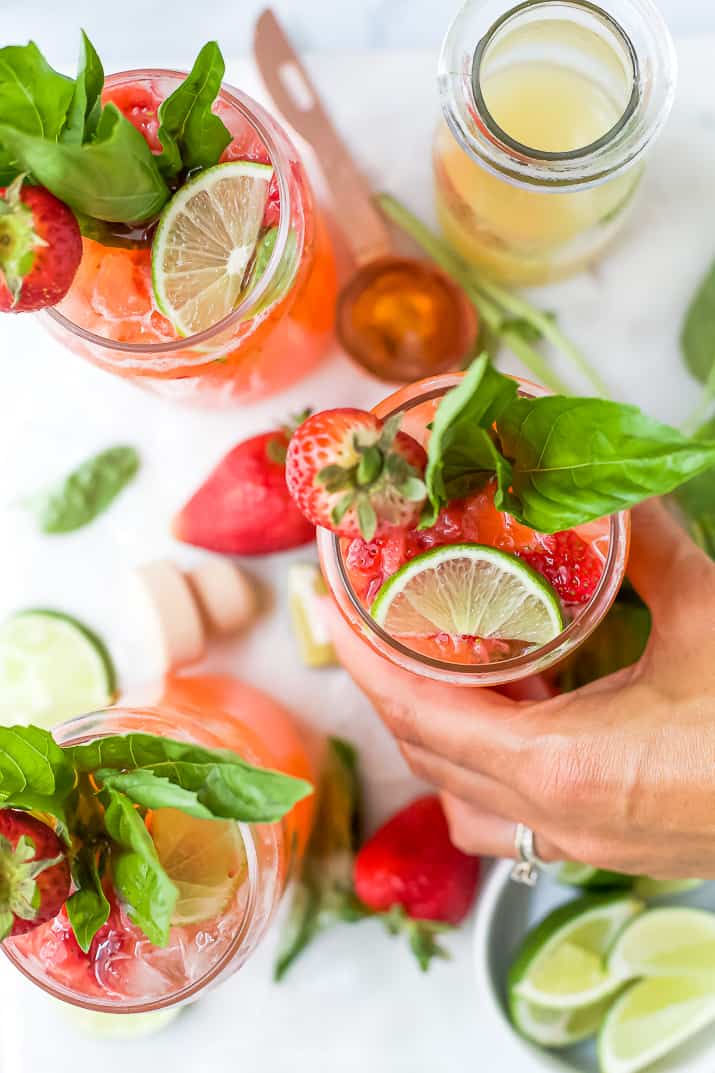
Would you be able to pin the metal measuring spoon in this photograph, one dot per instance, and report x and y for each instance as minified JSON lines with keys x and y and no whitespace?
{"x":398,"y":317}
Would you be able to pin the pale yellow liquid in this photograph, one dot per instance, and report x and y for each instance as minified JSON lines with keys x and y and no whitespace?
{"x":521,"y":234}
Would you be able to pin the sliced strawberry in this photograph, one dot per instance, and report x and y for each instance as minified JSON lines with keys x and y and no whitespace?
{"x":40,"y":248}
{"x":34,"y":873}
{"x":569,"y":564}
{"x":410,"y":870}
{"x":351,"y":472}
{"x":243,"y":507}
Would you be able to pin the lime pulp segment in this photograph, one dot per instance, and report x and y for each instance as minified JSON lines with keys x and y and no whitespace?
{"x":469,"y":590}
{"x":51,"y":668}
{"x":205,"y":242}
{"x":672,"y":941}
{"x":557,"y":1027}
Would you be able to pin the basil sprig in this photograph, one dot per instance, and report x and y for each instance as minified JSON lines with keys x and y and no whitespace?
{"x":86,"y":492}
{"x":559,"y":461}
{"x":103,"y":817}
{"x":91,"y":157}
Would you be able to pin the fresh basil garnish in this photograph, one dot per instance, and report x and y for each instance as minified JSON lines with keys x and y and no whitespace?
{"x":139,"y":879}
{"x":35,"y":774}
{"x":86,"y":104}
{"x":33,"y":98}
{"x":86,"y":492}
{"x":559,"y":461}
{"x":191,"y":136}
{"x":153,"y":791}
{"x":88,"y":908}
{"x":698,"y":333}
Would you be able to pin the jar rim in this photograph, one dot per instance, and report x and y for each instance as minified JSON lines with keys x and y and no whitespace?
{"x":643,"y":38}
{"x":251,"y":301}
{"x":76,"y":731}
{"x":487,"y":674}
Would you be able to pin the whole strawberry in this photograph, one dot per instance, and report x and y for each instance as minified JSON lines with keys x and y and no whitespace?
{"x":243,"y":507}
{"x":351,"y":472}
{"x":410,"y":871}
{"x":40,"y":248}
{"x":34,"y":873}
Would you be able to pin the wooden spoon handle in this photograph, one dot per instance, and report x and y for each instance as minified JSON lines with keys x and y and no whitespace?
{"x":297,"y":98}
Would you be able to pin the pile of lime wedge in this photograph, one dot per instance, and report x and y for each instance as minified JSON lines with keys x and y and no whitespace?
{"x":641,"y":980}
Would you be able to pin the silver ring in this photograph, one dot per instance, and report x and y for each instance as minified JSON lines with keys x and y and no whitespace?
{"x":527,"y":868}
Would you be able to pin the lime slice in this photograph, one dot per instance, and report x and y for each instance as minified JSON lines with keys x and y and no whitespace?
{"x":645,"y":887}
{"x":305,"y":588}
{"x":204,"y":859}
{"x":51,"y":668}
{"x":652,"y":1018}
{"x":111,"y":1026}
{"x":554,"y":1027}
{"x":666,"y":942}
{"x":574,"y":874}
{"x":205,"y":242}
{"x":469,"y":590}
{"x":561,"y":964}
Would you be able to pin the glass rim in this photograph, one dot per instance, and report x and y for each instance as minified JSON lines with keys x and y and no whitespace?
{"x":486,"y":674}
{"x":214,"y":973}
{"x":251,"y":301}
{"x":644,"y":38}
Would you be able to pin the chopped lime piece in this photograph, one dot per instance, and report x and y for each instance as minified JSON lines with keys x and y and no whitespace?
{"x":666,"y":942}
{"x":561,"y":964}
{"x":111,"y":1026}
{"x":205,"y":242}
{"x":557,"y":1027}
{"x":305,"y":587}
{"x":652,"y":1018}
{"x":51,"y":668}
{"x":574,"y":874}
{"x":645,"y":887}
{"x":469,"y":590}
{"x":204,"y":859}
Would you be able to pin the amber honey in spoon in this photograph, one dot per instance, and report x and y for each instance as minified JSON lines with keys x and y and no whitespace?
{"x":398,"y":317}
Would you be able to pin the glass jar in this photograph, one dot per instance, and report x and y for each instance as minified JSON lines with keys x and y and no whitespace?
{"x":279,"y":331}
{"x":549,"y":107}
{"x":416,"y":403}
{"x":124,"y":972}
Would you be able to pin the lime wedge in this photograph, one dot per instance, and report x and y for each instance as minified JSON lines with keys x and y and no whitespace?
{"x":574,"y":874}
{"x":557,"y":1027}
{"x":205,"y":243}
{"x":645,"y":887}
{"x":109,"y":1026}
{"x":204,"y":859}
{"x":652,"y":1018}
{"x":469,"y":590}
{"x":51,"y":668}
{"x":561,"y":964}
{"x":305,"y":588}
{"x":666,"y":942}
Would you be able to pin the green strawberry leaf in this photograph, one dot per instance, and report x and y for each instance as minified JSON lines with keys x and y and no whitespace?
{"x":323,"y":891}
{"x":191,"y":136}
{"x":577,"y":459}
{"x":33,"y":100}
{"x":86,"y":106}
{"x":86,"y":492}
{"x":35,"y":773}
{"x":139,"y":879}
{"x":224,"y":784}
{"x":113,"y":177}
{"x":87,"y":908}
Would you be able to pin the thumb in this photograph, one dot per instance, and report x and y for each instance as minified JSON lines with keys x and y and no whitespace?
{"x":665,"y":566}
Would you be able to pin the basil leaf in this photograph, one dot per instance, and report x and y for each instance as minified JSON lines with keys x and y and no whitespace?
{"x":698,"y":335}
{"x":224,"y":784}
{"x":696,"y":500}
{"x":323,"y":894}
{"x":152,"y":791}
{"x":461,"y":455}
{"x":139,"y":879}
{"x":86,"y":492}
{"x":86,"y":105}
{"x":191,"y":135}
{"x":33,"y":100}
{"x":113,"y":177}
{"x":88,"y":907}
{"x":35,"y":774}
{"x":573,"y":460}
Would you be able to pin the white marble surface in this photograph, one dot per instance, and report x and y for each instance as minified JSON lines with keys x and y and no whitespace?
{"x":355,"y":1002}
